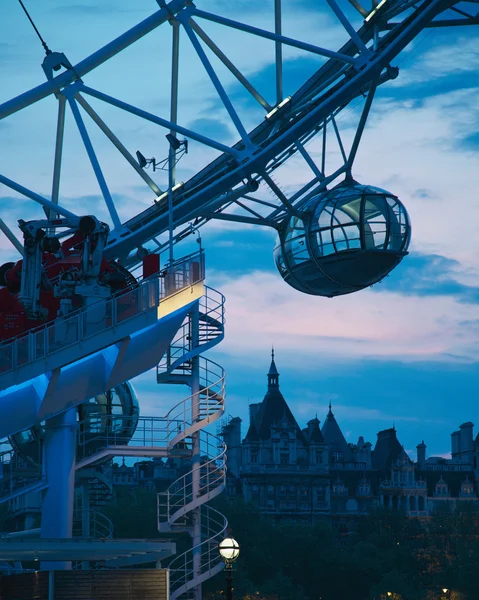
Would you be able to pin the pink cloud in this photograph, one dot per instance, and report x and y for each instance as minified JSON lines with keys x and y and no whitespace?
{"x":262,"y":309}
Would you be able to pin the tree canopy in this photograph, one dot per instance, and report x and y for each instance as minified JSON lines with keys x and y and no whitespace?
{"x":390,"y":557}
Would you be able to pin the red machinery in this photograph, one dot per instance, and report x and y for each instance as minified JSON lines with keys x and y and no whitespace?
{"x":53,"y":275}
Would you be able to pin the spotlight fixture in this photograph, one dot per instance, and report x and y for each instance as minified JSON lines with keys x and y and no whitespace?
{"x":176,"y":144}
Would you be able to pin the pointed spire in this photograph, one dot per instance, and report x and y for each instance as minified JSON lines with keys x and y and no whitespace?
{"x":273,"y":375}
{"x":330,"y":411}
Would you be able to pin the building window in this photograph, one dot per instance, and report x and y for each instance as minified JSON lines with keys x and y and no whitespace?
{"x":337,"y":457}
{"x":270,"y":491}
{"x":467,"y":489}
{"x":339,"y":489}
{"x":254,"y":455}
{"x":304,"y":498}
{"x":441,"y":488}
{"x":319,"y":457}
{"x":364,"y":488}
{"x":321,"y":497}
{"x":284,"y":458}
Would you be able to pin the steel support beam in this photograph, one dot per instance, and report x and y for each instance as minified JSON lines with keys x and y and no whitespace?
{"x":118,"y":145}
{"x":278,"y":51}
{"x":8,"y":233}
{"x":93,"y":61}
{"x":94,"y":162}
{"x":35,"y":197}
{"x":196,"y":450}
{"x":217,"y":84}
{"x":57,"y":165}
{"x":360,"y":129}
{"x":59,"y":470}
{"x":230,"y":66}
{"x":358,"y":42}
{"x":157,"y":120}
{"x":274,"y":37}
{"x":175,"y":67}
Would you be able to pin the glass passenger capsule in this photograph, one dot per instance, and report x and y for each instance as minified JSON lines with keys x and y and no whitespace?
{"x":115,"y":411}
{"x":345,"y":240}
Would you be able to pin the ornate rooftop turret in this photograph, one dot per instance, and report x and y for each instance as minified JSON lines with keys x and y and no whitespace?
{"x":333,"y":436}
{"x":272,"y":410}
{"x":273,"y":375}
{"x":313,"y":432}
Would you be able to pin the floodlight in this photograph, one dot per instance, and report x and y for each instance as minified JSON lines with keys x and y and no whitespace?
{"x":174,"y":141}
{"x":141,"y":159}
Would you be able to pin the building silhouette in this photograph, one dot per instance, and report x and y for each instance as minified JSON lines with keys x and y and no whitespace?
{"x":310,"y":473}
{"x":294,"y":473}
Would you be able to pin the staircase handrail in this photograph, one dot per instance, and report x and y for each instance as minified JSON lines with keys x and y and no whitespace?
{"x":212,"y":310}
{"x":101,"y":527}
{"x":181,"y":567}
{"x":39,"y":343}
{"x":181,"y":413}
{"x":178,"y":498}
{"x":201,"y":562}
{"x":163,"y":431}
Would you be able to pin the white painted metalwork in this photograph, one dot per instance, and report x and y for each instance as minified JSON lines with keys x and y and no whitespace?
{"x":343,"y":76}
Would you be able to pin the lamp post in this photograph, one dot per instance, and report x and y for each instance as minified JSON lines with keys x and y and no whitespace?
{"x":447,"y":593}
{"x":229,"y":550}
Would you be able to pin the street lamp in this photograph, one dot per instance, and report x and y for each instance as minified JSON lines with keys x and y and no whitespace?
{"x":229,"y":550}
{"x":447,"y":593}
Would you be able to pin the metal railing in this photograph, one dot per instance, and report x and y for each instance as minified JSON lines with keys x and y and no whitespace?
{"x":96,"y":523}
{"x":211,"y":329}
{"x":103,"y":431}
{"x":209,"y":402}
{"x":101,"y":316}
{"x":205,"y":479}
{"x":183,"y":574}
{"x":181,"y":497}
{"x":16,"y":475}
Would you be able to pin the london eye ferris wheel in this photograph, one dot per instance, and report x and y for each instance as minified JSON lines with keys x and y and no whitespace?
{"x":133,"y":134}
{"x":214,"y":85}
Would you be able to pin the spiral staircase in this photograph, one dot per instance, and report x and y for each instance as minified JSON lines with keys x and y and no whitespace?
{"x":182,"y":507}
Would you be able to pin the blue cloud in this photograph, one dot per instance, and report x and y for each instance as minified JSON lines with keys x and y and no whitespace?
{"x":240,"y":251}
{"x":472,"y":141}
{"x":428,"y":275}
{"x":212,"y":128}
